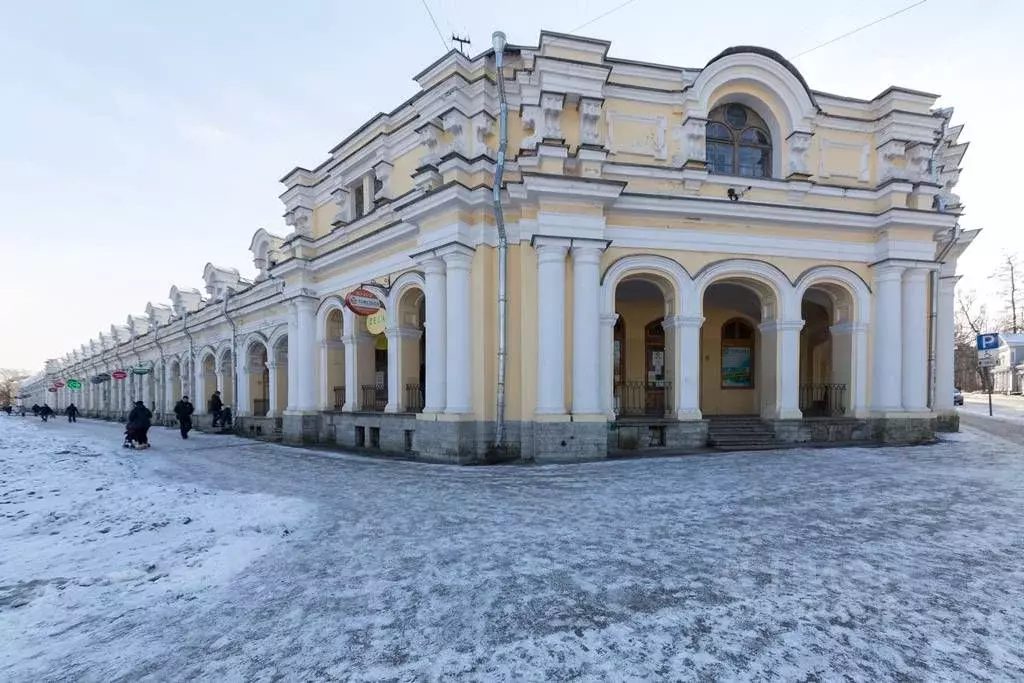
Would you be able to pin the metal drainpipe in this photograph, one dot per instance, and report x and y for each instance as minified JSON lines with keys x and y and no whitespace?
{"x":234,"y":358}
{"x":191,"y":352}
{"x":498,"y":42}
{"x":163,"y":380}
{"x":933,"y":324}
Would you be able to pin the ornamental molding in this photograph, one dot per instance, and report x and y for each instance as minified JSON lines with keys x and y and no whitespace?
{"x":650,"y":143}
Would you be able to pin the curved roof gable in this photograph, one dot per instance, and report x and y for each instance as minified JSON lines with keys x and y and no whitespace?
{"x":770,"y":54}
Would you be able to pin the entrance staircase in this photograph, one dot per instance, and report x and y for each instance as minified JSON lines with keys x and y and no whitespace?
{"x":740,"y":433}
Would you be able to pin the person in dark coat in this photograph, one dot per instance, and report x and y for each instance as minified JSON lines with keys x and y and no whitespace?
{"x":35,"y":409}
{"x":45,"y":412}
{"x":72,"y":412}
{"x":215,"y":406}
{"x":184,"y":409}
{"x":139,"y":422}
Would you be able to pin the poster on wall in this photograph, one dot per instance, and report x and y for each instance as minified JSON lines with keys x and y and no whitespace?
{"x":737,"y":371}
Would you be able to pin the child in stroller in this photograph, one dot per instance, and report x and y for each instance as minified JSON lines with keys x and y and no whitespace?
{"x":135,"y":438}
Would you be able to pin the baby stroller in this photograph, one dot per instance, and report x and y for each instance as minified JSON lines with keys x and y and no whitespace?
{"x":135,"y":438}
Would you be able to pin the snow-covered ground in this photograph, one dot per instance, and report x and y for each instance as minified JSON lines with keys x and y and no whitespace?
{"x":1006,"y":408}
{"x":794,"y":565}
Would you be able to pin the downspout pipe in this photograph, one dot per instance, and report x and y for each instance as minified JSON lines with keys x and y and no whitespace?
{"x":191,"y":351}
{"x":234,"y":357}
{"x":498,"y":41}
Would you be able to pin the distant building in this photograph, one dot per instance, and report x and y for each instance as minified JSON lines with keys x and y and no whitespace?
{"x":1008,"y":375}
{"x":686,"y":246}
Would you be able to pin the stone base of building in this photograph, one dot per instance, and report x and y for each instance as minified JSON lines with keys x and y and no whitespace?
{"x":904,"y":430}
{"x":562,"y":441}
{"x":301,"y":428}
{"x":639,"y":435}
{"x":948,"y":422}
{"x":822,"y":430}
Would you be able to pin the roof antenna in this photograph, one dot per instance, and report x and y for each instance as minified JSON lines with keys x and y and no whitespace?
{"x":463,"y":42}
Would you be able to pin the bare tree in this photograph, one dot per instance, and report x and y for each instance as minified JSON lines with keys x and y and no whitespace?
{"x":1010,"y":275}
{"x":971,"y":320}
{"x":10,"y":381}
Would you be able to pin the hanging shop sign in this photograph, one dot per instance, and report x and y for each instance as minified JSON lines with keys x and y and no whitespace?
{"x":58,"y":385}
{"x":119,"y":374}
{"x":363,"y":302}
{"x":52,"y":390}
{"x":74,"y":384}
{"x":100,"y":378}
{"x":376,"y":322}
{"x":140,"y":370}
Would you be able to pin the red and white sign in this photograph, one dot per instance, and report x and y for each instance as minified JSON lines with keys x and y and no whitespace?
{"x":363,"y":302}
{"x":58,"y":384}
{"x":119,"y":374}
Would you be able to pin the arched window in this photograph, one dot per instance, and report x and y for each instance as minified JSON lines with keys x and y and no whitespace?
{"x":738,"y":142}
{"x":737,"y":355}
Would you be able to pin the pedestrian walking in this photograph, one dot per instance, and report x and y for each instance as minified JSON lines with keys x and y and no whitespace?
{"x":183,"y":409}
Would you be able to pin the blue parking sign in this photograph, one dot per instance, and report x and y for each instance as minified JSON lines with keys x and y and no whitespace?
{"x":988,"y":341}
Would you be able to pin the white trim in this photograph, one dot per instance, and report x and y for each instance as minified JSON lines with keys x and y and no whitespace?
{"x":864,"y":171}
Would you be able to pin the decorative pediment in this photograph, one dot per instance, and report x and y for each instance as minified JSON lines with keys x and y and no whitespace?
{"x":185,"y":301}
{"x":265,"y":248}
{"x":220,"y":281}
{"x":137,"y":325}
{"x":158,"y":314}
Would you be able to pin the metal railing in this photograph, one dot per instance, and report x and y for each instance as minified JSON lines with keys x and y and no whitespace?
{"x":653,"y":399}
{"x":823,"y":400}
{"x":260,"y":407}
{"x":339,"y":398}
{"x":414,"y":398}
{"x":375,"y":397}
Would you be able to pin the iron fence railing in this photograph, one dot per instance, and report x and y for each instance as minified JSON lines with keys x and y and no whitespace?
{"x":375,"y":397}
{"x":339,"y":398}
{"x":653,"y":399}
{"x":823,"y":399}
{"x":414,"y":398}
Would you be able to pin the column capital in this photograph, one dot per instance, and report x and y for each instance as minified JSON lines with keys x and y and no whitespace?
{"x":586,"y":250}
{"x":457,"y":256}
{"x":887,"y":271}
{"x":432,"y":264}
{"x":848,"y":328}
{"x":679,"y":321}
{"x":781,"y":326}
{"x":550,"y":249}
{"x":609,"y":319}
{"x":915,"y":275}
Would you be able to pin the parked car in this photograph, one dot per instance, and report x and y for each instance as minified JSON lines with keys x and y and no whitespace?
{"x":958,"y":398}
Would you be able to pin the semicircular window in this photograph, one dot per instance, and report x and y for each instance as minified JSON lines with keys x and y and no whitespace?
{"x":738,"y":142}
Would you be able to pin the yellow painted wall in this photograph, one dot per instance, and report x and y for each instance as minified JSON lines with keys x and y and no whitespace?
{"x":714,"y":400}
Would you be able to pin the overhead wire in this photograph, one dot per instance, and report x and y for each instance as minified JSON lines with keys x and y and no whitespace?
{"x":602,"y":16}
{"x":860,"y":28}
{"x":436,"y":27}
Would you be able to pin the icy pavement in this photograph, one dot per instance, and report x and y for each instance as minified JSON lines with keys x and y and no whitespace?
{"x":794,"y":565}
{"x":1006,"y":408}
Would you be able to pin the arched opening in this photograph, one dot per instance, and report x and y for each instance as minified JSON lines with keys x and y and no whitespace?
{"x":410,"y":356}
{"x":208,"y":370}
{"x":730,"y":350}
{"x":175,"y":379}
{"x":278,"y":385}
{"x":333,"y":386}
{"x":641,"y":359}
{"x":225,"y":378}
{"x":826,"y":352}
{"x":259,"y":378}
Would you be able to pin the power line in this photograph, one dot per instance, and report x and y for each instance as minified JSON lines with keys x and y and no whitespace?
{"x":861,"y":28}
{"x":436,"y":27}
{"x":602,"y":16}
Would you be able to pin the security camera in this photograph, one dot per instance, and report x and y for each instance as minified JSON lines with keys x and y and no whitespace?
{"x":734,"y":196}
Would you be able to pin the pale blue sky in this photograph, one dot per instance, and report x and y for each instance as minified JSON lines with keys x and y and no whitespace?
{"x":140,"y":140}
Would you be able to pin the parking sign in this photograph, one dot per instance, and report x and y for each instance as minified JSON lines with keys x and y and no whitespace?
{"x":988,"y":341}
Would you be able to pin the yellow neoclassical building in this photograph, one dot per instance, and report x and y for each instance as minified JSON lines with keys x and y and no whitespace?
{"x":673,"y":258}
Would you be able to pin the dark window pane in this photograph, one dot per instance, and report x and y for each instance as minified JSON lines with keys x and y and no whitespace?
{"x":720,"y":158}
{"x":736,"y":115}
{"x":717,"y":131}
{"x":755,"y":162}
{"x":755,"y":136}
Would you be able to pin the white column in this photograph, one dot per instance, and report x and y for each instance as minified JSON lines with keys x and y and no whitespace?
{"x":944,"y":345}
{"x":396,"y":398}
{"x":144,"y":382}
{"x":326,"y":400}
{"x":458,"y":333}
{"x":368,"y":181}
{"x":350,"y":337}
{"x":243,"y":401}
{"x":607,"y":369}
{"x":887,"y":347}
{"x":586,"y":327}
{"x":780,"y":364}
{"x":301,"y":355}
{"x":273,"y":408}
{"x":551,"y":324}
{"x":168,"y":388}
{"x":915,"y":339}
{"x":686,"y":382}
{"x":435,"y":327}
{"x":850,"y":365}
